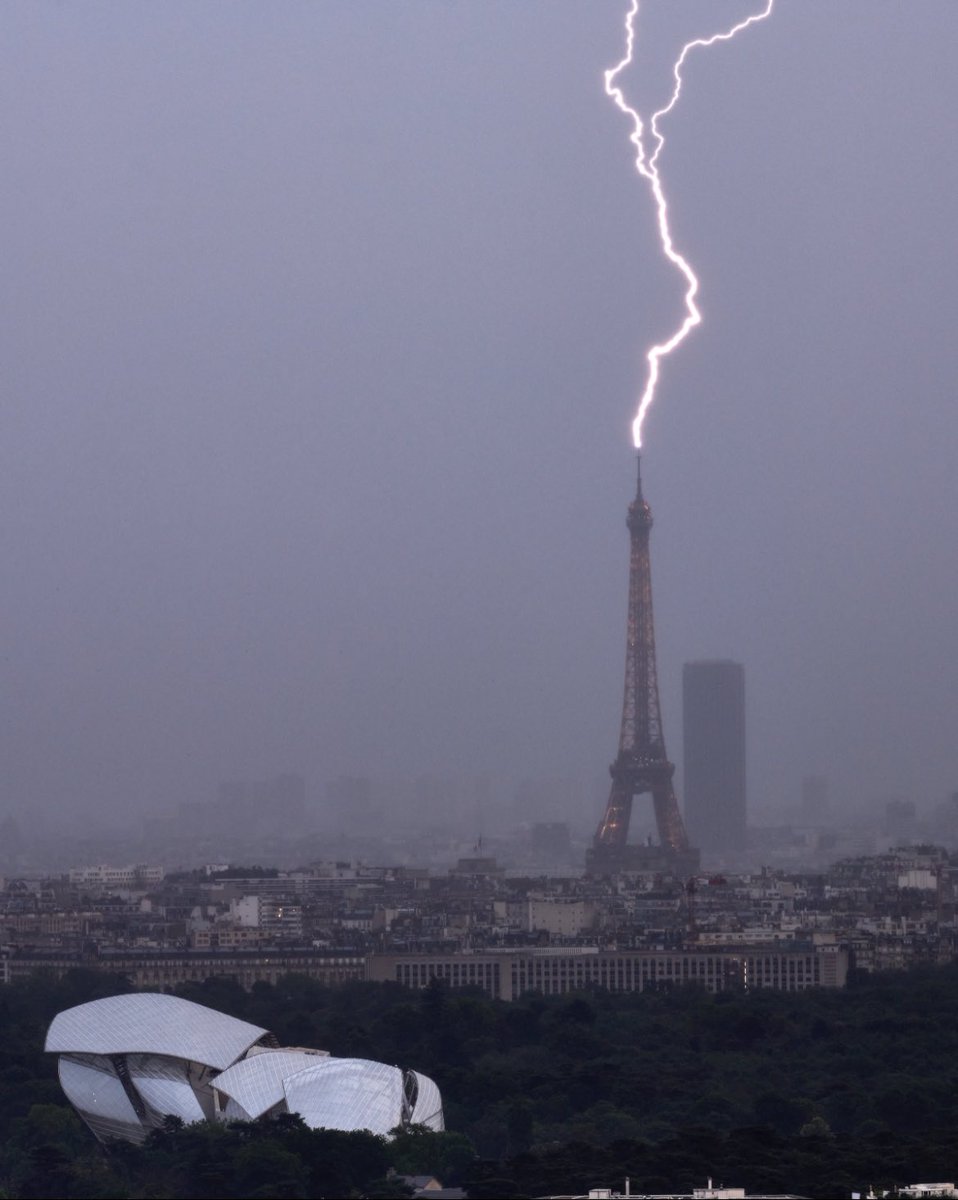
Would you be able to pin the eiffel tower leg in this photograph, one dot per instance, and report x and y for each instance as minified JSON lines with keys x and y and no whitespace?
{"x":668,"y":819}
{"x":614,"y":827}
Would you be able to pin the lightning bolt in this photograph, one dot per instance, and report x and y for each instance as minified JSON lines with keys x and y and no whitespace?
{"x":647,"y":167}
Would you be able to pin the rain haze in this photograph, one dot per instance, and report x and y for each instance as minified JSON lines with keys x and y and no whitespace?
{"x":323,"y":326}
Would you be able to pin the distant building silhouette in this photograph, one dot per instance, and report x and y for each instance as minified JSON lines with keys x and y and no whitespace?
{"x":257,"y":806}
{"x":815,"y":806}
{"x":11,"y":842}
{"x":349,"y":800}
{"x":900,"y":818}
{"x":713,"y":720}
{"x":551,"y":840}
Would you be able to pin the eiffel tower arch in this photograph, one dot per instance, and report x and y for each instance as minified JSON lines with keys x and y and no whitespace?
{"x":641,"y":766}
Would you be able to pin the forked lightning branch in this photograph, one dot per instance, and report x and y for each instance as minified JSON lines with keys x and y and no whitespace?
{"x":647,"y":166}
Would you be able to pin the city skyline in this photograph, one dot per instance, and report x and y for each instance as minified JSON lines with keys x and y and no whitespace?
{"x":321,"y":357}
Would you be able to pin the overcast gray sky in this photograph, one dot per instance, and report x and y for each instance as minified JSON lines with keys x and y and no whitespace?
{"x":322,"y":328}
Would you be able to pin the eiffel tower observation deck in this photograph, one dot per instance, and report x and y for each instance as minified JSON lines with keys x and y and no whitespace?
{"x":641,"y":766}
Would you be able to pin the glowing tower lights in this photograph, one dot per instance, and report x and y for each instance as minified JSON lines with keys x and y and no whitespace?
{"x":647,"y":167}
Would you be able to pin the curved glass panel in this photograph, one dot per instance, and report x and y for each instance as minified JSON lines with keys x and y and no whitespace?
{"x":234,"y":1112}
{"x":256,"y":1083}
{"x":95,"y":1091}
{"x":164,"y":1084}
{"x":428,"y":1107}
{"x":152,"y":1023}
{"x":347,"y":1094}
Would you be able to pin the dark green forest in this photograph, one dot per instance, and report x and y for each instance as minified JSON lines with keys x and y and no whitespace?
{"x":820,"y":1092}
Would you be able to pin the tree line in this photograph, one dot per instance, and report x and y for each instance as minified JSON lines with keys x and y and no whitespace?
{"x":819,"y":1092}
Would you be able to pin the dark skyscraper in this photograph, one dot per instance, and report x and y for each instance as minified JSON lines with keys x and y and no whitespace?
{"x":713,"y":719}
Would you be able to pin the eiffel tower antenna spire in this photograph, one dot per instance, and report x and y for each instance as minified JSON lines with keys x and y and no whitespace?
{"x":641,"y":765}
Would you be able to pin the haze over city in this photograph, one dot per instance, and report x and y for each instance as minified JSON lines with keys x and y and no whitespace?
{"x":323,"y":327}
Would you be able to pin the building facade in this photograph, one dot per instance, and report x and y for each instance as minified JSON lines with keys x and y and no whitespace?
{"x":508,"y":974}
{"x":163,"y":969}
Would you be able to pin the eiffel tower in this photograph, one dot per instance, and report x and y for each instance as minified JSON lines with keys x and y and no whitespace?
{"x":642,"y":765}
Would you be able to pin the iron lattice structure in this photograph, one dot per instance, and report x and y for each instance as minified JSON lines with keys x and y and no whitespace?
{"x":642,"y":765}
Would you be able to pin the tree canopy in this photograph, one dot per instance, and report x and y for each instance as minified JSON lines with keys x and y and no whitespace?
{"x":819,"y":1092}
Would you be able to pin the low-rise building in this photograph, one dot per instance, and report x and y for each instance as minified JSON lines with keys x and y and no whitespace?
{"x":507,"y":974}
